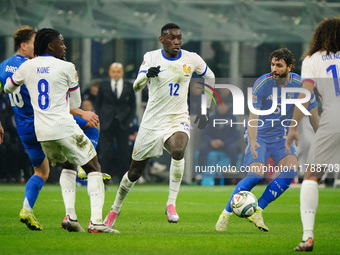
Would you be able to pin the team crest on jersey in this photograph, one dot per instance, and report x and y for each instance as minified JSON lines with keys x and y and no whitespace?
{"x":254,"y":99}
{"x":143,"y":63}
{"x":187,"y":69}
{"x":76,"y":76}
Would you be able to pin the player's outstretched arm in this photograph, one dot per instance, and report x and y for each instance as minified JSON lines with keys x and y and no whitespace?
{"x":143,"y":78}
{"x":314,"y":118}
{"x":90,"y":117}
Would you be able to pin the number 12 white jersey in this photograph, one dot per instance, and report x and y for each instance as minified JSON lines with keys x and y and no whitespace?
{"x":168,"y":92}
{"x":324,"y":71}
{"x":48,"y":81}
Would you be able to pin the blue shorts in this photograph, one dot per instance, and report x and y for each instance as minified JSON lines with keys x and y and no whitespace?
{"x":33,"y":148}
{"x":274,"y":149}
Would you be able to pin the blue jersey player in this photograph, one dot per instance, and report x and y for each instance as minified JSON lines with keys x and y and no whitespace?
{"x":265,"y":136}
{"x":20,"y":101}
{"x":23,"y":112}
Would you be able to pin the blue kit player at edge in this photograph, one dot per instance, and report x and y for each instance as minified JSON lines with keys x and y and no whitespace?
{"x":265,"y":136}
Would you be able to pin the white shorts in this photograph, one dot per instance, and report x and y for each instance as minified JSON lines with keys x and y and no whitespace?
{"x":77,"y":149}
{"x":325,"y":149}
{"x":150,"y":143}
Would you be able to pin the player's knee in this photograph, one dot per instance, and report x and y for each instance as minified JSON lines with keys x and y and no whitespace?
{"x":134,"y":173}
{"x":177,"y":154}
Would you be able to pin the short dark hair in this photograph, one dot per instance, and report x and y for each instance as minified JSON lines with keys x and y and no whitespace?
{"x":284,"y":54}
{"x":168,"y":26}
{"x":43,"y":38}
{"x":23,"y":34}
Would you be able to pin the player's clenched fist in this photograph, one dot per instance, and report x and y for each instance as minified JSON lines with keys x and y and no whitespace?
{"x":153,"y":72}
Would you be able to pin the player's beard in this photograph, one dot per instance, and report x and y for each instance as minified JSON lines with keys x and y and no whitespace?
{"x":282,"y":79}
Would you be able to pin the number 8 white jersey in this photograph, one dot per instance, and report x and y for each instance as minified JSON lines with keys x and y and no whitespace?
{"x":48,"y":81}
{"x":168,"y":93}
{"x":324,"y":71}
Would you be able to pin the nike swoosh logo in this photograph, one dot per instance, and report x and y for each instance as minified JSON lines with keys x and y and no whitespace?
{"x":174,"y":181}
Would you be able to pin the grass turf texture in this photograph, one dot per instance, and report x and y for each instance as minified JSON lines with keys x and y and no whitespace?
{"x":145,"y":230}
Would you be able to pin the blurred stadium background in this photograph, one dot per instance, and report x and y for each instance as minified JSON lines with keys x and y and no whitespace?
{"x":235,"y":37}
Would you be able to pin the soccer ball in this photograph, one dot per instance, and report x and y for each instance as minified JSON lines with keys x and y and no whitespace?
{"x":244,"y":204}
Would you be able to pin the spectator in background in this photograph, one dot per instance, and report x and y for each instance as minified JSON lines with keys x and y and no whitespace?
{"x":92,"y":92}
{"x":221,"y":137}
{"x":116,"y":107}
{"x":87,"y":105}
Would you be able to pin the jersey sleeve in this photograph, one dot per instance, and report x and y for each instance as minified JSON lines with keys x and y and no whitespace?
{"x":142,"y":79}
{"x":312,"y":102}
{"x":17,"y":79}
{"x":201,"y":67}
{"x":146,"y":64}
{"x":74,"y":91}
{"x":259,"y":91}
{"x":307,"y":72}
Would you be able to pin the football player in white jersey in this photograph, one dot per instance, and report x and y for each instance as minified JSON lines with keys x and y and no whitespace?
{"x":49,"y":80}
{"x":165,"y":124}
{"x":320,"y":70}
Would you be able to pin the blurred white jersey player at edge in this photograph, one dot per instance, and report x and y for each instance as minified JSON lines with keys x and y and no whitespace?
{"x":168,"y":93}
{"x":320,"y":70}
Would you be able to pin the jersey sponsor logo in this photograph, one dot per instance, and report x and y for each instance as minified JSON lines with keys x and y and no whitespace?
{"x":11,"y":69}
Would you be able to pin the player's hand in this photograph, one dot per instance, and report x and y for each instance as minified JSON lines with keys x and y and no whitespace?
{"x":202,"y":120}
{"x":91,"y":118}
{"x":253,"y":147}
{"x":293,"y":134}
{"x":153,"y":72}
{"x":1,"y":133}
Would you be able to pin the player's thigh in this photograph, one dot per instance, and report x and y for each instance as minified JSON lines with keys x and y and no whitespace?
{"x":33,"y":148}
{"x":177,"y":141}
{"x":281,"y":157}
{"x":148,"y":144}
{"x":78,"y":149}
{"x":262,"y":153}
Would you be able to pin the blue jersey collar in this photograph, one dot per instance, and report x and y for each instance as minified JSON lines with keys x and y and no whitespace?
{"x":172,"y":59}
{"x":46,"y":55}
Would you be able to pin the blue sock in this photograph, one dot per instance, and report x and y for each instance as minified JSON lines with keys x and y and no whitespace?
{"x":276,"y":187}
{"x":246,"y":184}
{"x":33,"y":187}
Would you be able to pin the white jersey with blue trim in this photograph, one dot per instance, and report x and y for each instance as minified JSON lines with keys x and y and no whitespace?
{"x":324,"y":71}
{"x":168,"y":92}
{"x":49,"y":81}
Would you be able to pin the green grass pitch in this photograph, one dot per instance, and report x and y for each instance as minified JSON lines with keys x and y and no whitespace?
{"x":145,"y":230}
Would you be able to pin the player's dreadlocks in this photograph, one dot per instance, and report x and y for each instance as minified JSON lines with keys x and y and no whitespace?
{"x":284,"y":54}
{"x":43,"y":38}
{"x":326,"y":37}
{"x":168,"y":26}
{"x":23,"y":34}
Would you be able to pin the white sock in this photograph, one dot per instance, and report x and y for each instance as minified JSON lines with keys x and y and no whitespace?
{"x":176,"y":174}
{"x":309,"y":198}
{"x":225,"y":212}
{"x":95,"y":189}
{"x":124,"y":188}
{"x":68,"y":189}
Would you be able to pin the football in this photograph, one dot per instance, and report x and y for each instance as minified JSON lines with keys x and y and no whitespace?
{"x":244,"y":204}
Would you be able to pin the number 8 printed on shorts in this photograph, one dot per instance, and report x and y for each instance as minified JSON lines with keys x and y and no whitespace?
{"x":43,"y":98}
